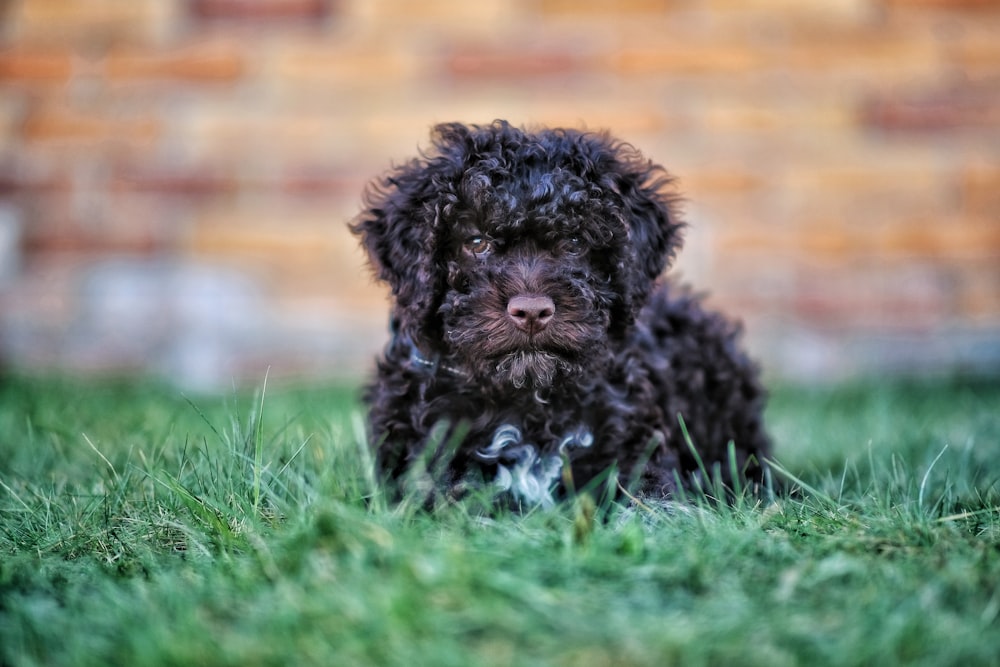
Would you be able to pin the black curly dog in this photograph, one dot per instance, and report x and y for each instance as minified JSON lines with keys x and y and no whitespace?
{"x":528,"y":326}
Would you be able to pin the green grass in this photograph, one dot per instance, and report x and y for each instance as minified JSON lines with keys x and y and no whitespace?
{"x":138,"y":527}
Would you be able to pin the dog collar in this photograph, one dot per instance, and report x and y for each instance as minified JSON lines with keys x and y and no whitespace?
{"x":428,"y":365}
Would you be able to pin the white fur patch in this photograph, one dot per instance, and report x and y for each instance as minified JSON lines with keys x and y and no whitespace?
{"x":523,"y":471}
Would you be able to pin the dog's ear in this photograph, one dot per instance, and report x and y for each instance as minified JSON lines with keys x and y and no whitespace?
{"x":405,"y":218}
{"x":649,"y":211}
{"x":398,"y":229}
{"x":651,"y":215}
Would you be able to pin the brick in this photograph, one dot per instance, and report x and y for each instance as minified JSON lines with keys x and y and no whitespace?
{"x":837,"y":243}
{"x":266,"y":141}
{"x":90,"y":22}
{"x":261,"y":11}
{"x":438,"y":15}
{"x":720,"y":180}
{"x":35,"y":65}
{"x":942,"y":108}
{"x":913,"y":299}
{"x":978,"y":297}
{"x":830,"y":243}
{"x":513,"y":63}
{"x":798,"y":10}
{"x":54,"y":124}
{"x":686,"y":58}
{"x":76,"y":240}
{"x":979,"y":190}
{"x":603,"y":7}
{"x":261,"y":236}
{"x":11,"y":115}
{"x":868,"y":189}
{"x":308,"y":64}
{"x":14,"y":181}
{"x":212,"y":182}
{"x":739,"y":116}
{"x":184,"y":183}
{"x":870,"y":53}
{"x":317,"y":182}
{"x":770,"y":42}
{"x":955,"y":238}
{"x":744,"y":239}
{"x":949,"y":5}
{"x":970,"y":44}
{"x":306,"y":250}
{"x":215,"y":61}
{"x":632,"y":121}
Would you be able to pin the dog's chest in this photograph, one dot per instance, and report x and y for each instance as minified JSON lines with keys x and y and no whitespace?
{"x":530,"y":464}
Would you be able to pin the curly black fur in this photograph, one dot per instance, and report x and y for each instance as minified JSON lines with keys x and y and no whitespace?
{"x":528,"y":318}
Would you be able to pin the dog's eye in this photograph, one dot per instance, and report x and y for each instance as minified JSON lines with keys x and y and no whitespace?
{"x":572,"y":246}
{"x":480,"y":246}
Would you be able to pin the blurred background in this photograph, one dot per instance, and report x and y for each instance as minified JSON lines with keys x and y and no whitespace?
{"x":176,"y":175}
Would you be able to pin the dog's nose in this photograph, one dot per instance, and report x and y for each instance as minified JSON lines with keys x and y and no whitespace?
{"x":531,"y":313}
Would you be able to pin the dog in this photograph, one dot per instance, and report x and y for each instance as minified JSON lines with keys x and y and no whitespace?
{"x":534,"y":348}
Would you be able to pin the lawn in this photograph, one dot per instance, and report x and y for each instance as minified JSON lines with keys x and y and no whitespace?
{"x":142,"y":527}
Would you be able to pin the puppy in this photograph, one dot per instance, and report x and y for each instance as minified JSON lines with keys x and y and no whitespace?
{"x":533,"y":346}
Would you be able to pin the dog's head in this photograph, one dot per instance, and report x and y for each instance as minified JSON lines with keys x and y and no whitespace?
{"x":516,"y":255}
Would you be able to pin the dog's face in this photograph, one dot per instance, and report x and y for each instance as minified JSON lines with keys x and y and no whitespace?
{"x":524,"y":305}
{"x":519,"y":257}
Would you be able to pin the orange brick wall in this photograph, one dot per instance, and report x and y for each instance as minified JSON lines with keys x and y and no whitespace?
{"x":176,"y":175}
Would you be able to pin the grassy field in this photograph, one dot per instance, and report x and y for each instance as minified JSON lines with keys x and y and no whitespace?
{"x":140,"y":527}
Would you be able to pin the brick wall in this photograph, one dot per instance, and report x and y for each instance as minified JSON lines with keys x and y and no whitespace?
{"x":175,"y":175}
